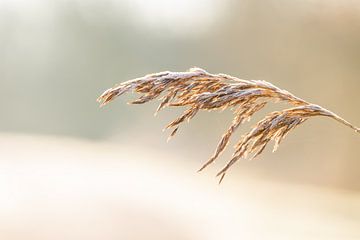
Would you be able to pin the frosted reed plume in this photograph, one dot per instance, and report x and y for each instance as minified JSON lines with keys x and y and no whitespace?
{"x":200,"y":90}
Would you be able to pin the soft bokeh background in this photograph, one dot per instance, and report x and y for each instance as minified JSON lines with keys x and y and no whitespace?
{"x":70,"y":170}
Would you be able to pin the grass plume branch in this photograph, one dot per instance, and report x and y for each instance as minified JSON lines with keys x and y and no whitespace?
{"x":198,"y":90}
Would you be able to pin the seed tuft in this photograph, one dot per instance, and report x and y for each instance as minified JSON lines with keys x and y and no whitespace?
{"x":199,"y":90}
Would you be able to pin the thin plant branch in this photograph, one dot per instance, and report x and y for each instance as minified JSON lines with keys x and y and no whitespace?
{"x":198,"y":90}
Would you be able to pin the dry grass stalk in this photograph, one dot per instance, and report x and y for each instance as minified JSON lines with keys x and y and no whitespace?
{"x":200,"y":90}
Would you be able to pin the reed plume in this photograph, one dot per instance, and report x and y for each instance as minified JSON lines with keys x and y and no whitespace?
{"x":197,"y":90}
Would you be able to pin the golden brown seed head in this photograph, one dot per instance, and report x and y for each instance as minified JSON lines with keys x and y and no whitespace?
{"x":200,"y":90}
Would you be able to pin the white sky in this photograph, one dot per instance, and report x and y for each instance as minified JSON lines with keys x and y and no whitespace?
{"x":173,"y":15}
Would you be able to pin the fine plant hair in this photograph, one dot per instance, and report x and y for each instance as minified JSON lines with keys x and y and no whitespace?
{"x":197,"y":90}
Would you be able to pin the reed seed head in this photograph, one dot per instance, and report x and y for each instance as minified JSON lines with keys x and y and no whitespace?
{"x":198,"y":90}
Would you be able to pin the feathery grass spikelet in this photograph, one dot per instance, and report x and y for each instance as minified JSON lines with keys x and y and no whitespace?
{"x":200,"y":90}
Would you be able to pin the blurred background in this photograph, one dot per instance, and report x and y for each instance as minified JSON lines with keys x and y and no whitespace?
{"x":70,"y":170}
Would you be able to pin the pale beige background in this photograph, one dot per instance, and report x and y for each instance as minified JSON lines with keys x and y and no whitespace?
{"x":74,"y":171}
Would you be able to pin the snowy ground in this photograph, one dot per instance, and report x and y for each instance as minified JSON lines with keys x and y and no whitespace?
{"x":60,"y":188}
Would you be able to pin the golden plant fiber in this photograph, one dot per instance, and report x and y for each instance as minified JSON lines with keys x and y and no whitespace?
{"x":197,"y":90}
